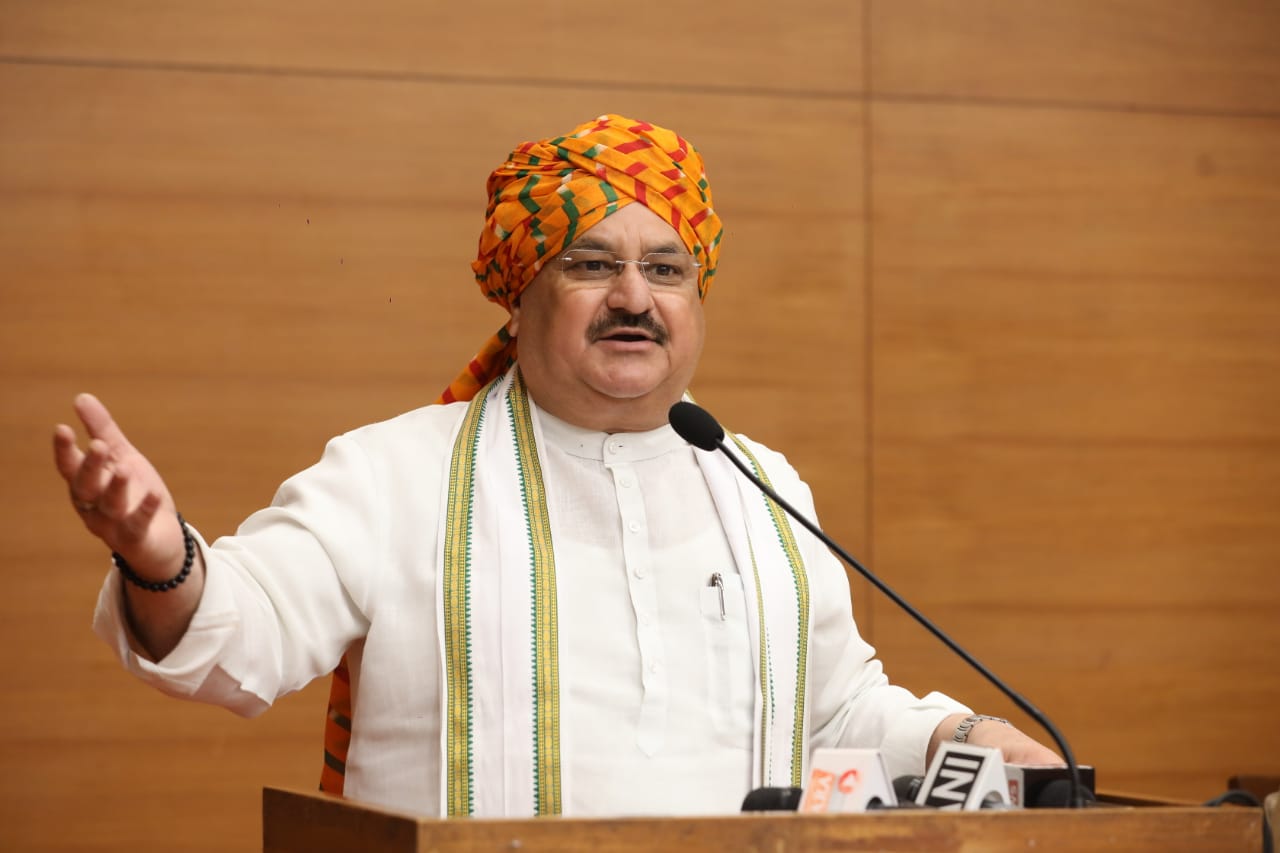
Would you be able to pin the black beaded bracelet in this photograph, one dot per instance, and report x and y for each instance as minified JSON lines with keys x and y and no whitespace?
{"x":188,"y":541}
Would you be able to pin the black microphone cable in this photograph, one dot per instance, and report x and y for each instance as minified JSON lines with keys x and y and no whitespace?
{"x":1241,"y":797}
{"x":698,"y":427}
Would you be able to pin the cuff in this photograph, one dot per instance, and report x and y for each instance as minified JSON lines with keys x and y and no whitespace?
{"x":188,"y":665}
{"x":906,"y":743}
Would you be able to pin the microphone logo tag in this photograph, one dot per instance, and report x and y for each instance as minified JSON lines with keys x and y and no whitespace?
{"x":965,"y":778}
{"x":956,"y":777}
{"x":817,"y":797}
{"x":847,"y":780}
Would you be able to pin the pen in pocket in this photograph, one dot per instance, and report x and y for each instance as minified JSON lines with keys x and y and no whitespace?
{"x":718,"y":583}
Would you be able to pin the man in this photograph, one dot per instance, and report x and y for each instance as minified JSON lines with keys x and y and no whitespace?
{"x":546,"y":601}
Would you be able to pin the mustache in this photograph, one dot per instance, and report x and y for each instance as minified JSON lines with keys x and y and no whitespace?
{"x":623,"y":321}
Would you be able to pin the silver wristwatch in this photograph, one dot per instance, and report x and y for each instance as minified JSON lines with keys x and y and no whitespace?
{"x":967,"y":724}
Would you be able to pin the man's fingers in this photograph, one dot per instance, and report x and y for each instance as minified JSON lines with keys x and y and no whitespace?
{"x":97,"y":420}
{"x":67,"y":455}
{"x":137,"y":522}
{"x":93,"y":475}
{"x":114,"y":501}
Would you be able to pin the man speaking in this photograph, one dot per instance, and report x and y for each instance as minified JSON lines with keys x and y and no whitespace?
{"x":543,"y":600}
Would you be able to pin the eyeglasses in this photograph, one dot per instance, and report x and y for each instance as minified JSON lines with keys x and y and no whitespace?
{"x":667,"y":269}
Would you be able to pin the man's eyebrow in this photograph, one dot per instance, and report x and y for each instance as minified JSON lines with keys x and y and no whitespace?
{"x":594,"y":245}
{"x":589,"y":243}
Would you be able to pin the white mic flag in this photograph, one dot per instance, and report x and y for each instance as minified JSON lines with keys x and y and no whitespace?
{"x":847,"y":780}
{"x":965,"y":778}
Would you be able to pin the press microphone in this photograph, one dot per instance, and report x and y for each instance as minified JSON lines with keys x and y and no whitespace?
{"x":1037,"y":787}
{"x":697,"y":426}
{"x":843,"y":780}
{"x":1030,"y":786}
{"x":772,"y":800}
{"x":907,"y":788}
{"x":967,"y":778}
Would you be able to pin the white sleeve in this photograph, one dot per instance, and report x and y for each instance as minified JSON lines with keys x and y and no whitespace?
{"x":851,"y":702}
{"x":282,"y":599}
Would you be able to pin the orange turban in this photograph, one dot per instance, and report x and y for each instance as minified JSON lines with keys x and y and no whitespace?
{"x":549,"y":192}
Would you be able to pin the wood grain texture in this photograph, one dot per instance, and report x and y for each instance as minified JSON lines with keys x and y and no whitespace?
{"x":248,"y":227}
{"x":309,"y":823}
{"x":1205,"y":55}
{"x":809,"y":45}
{"x":1075,"y":419}
{"x":242,"y":267}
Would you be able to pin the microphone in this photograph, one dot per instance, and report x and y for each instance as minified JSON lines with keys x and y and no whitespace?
{"x":697,"y":426}
{"x":847,"y":780}
{"x":965,"y":778}
{"x":772,"y":800}
{"x":907,"y":788}
{"x":1037,"y":787}
{"x":1030,"y":786}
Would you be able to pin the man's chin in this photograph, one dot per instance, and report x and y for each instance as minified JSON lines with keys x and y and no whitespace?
{"x":630,"y":385}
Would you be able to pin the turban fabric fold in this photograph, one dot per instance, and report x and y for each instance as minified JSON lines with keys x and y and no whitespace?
{"x":548,"y":193}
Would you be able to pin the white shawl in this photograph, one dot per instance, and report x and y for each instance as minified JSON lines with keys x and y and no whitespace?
{"x":497,"y":600}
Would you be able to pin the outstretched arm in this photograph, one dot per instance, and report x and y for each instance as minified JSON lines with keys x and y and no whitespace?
{"x":122,"y":500}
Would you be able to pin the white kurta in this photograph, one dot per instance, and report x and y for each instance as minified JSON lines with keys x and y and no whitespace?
{"x":657,"y":713}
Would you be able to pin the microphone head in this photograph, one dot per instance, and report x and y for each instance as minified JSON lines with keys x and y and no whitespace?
{"x":907,"y":788}
{"x":695,"y":425}
{"x":772,"y":800}
{"x":1056,"y":794}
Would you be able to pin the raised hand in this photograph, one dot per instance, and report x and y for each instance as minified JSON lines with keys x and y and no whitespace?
{"x":123,"y":501}
{"x":118,"y":494}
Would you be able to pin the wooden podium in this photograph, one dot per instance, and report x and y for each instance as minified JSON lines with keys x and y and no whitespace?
{"x":294,"y":822}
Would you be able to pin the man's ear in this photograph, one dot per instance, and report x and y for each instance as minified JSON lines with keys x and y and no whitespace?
{"x":513,"y":325}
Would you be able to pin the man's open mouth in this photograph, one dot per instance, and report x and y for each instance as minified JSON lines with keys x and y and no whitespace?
{"x":628,"y":337}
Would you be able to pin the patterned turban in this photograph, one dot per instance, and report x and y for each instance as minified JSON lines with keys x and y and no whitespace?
{"x":550,"y":192}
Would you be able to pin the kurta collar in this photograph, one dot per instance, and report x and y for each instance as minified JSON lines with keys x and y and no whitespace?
{"x":609,"y":447}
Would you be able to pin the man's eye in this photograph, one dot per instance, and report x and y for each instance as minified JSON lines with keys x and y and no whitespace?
{"x":588,"y":266}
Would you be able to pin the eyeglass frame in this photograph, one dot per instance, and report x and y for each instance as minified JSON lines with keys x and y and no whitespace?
{"x":644,"y":263}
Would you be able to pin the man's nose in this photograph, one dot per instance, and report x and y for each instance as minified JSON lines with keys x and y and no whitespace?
{"x":629,"y":290}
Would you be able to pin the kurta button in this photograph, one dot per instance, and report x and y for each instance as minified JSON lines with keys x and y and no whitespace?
{"x":634,"y":527}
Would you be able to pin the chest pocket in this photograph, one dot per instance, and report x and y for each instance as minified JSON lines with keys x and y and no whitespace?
{"x":730,"y":681}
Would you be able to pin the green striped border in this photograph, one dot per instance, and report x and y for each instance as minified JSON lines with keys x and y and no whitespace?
{"x":787,"y":539}
{"x":456,"y":578}
{"x":766,"y":671}
{"x":546,"y":641}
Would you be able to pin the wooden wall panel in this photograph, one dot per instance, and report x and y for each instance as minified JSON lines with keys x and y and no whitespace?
{"x":248,"y":226}
{"x":802,"y":45}
{"x":1075,"y":422}
{"x":244,"y":266}
{"x":1144,"y":54}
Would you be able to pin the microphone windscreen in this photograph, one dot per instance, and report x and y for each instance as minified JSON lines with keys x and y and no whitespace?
{"x":907,"y":788}
{"x":695,"y":425}
{"x":772,"y":800}
{"x":1057,"y":795}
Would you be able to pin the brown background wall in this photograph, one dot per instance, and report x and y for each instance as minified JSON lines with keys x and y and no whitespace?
{"x":999,"y":277}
